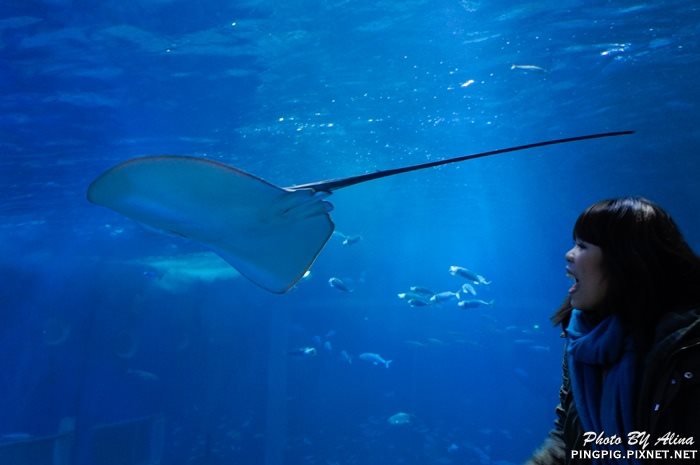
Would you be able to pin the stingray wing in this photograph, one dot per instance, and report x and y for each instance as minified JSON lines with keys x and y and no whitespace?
{"x":269,"y":234}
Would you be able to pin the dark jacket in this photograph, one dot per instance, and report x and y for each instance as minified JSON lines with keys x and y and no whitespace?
{"x":668,"y":399}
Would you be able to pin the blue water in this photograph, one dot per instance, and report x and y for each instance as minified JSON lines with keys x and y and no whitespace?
{"x":94,"y":328}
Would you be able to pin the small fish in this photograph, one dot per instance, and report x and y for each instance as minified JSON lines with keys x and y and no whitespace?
{"x":336,"y":283}
{"x":539,"y":348}
{"x":422,"y":291}
{"x":407,"y":295}
{"x":303,"y":352}
{"x":474,"y":303}
{"x":452,"y":448}
{"x":527,"y":67}
{"x":347,"y":240}
{"x":401,"y":418}
{"x":344,"y":356}
{"x":374,"y":359}
{"x":413,"y":299}
{"x":327,"y":346}
{"x":144,"y":375}
{"x":468,"y":274}
{"x":467,"y":83}
{"x":415,"y":343}
{"x":467,"y":288}
{"x":350,"y":240}
{"x":444,"y":297}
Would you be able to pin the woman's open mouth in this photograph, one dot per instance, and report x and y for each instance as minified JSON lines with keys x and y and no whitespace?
{"x":571,"y":275}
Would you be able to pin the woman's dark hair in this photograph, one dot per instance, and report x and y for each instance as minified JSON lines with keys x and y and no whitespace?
{"x":649,"y":266}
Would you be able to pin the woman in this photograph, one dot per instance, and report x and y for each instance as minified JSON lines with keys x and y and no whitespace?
{"x":632,"y":323}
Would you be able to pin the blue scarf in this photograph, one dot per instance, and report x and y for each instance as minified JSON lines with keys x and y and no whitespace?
{"x":602,"y":370}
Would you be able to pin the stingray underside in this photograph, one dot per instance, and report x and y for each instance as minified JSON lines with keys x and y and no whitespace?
{"x":269,"y":234}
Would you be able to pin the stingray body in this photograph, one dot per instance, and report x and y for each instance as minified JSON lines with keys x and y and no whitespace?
{"x":271,"y":235}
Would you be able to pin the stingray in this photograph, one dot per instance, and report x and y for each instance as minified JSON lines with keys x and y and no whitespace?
{"x":270,"y":234}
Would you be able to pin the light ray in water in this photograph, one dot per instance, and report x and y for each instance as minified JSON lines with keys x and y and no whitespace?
{"x":271,"y":235}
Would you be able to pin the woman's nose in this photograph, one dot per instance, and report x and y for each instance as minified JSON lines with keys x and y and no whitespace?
{"x":569,"y":255}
